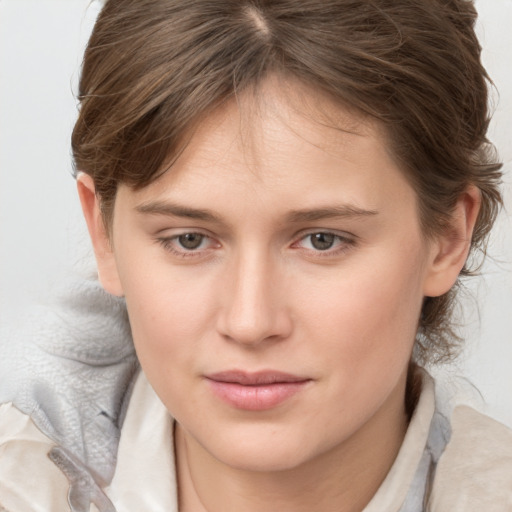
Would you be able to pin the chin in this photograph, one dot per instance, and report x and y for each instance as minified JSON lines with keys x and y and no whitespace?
{"x":268,"y":451}
{"x":264,"y":460}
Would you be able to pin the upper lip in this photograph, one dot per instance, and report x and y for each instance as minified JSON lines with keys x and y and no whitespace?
{"x":255,"y":378}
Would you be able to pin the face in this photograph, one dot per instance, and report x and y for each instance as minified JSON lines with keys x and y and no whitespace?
{"x":274,"y":279}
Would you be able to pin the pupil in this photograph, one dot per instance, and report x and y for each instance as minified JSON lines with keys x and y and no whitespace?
{"x":322,"y":241}
{"x":190,"y":240}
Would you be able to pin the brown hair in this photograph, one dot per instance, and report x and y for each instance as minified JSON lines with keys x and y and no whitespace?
{"x":154,"y":67}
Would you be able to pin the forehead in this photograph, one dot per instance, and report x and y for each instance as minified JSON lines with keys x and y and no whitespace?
{"x":282,"y":142}
{"x":267,"y":120}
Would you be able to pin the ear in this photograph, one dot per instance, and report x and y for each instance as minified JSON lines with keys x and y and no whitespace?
{"x":103,"y":251}
{"x":450,"y":249}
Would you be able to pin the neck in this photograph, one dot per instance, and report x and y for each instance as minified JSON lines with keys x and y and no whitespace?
{"x":343,"y":479}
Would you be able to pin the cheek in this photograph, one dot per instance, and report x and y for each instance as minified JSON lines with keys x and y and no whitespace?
{"x":368,"y":316}
{"x":168,"y":324}
{"x":170,"y":309}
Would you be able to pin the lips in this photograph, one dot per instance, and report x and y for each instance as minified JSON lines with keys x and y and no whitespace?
{"x":255,"y":391}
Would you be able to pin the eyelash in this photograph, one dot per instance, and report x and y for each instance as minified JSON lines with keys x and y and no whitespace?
{"x":342,"y":243}
{"x":167,"y":244}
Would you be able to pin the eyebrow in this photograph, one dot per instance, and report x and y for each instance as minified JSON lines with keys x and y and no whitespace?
{"x":294,"y":217}
{"x":344,"y":211}
{"x":176,"y":210}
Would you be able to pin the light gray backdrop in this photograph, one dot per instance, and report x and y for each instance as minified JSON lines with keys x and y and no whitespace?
{"x":42,"y":235}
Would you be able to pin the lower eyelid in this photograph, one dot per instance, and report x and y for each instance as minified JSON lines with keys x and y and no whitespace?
{"x":329,"y":254}
{"x":167,"y":244}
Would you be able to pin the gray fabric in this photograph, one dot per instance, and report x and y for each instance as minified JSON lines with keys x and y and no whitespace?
{"x":83,"y":489}
{"x":69,"y":366}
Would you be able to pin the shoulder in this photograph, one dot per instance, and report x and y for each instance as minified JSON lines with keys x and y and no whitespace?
{"x":29,"y":480}
{"x":474,"y":472}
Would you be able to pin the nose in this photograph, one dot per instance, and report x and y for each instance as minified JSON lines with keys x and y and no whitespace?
{"x":254,"y":305}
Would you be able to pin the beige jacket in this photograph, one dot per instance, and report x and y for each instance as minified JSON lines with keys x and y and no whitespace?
{"x":473,"y":473}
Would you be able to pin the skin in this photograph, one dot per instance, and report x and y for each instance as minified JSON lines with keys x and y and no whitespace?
{"x":257,"y":294}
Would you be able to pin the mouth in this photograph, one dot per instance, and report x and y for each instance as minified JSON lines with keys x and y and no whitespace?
{"x":256,"y":391}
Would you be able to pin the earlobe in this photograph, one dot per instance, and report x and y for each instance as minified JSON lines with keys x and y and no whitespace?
{"x":105,"y":260}
{"x":450,"y":250}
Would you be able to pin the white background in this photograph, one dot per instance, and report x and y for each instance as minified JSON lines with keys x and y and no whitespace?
{"x":42,"y":235}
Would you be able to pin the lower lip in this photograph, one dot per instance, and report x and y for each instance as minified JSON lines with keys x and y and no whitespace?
{"x":256,"y":398}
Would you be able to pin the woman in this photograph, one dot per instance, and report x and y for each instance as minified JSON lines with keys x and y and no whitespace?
{"x":285,"y":194}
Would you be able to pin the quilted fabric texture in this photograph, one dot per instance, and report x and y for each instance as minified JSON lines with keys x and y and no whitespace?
{"x":70,"y":368}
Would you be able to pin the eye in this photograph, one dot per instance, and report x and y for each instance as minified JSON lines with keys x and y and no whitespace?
{"x":322,"y":241}
{"x":190,"y":241}
{"x":325,"y":242}
{"x":188,"y":244}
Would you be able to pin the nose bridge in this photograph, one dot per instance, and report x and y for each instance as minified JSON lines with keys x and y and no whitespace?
{"x":253,"y":308}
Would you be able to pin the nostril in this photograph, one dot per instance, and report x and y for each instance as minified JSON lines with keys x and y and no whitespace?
{"x":252,"y":327}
